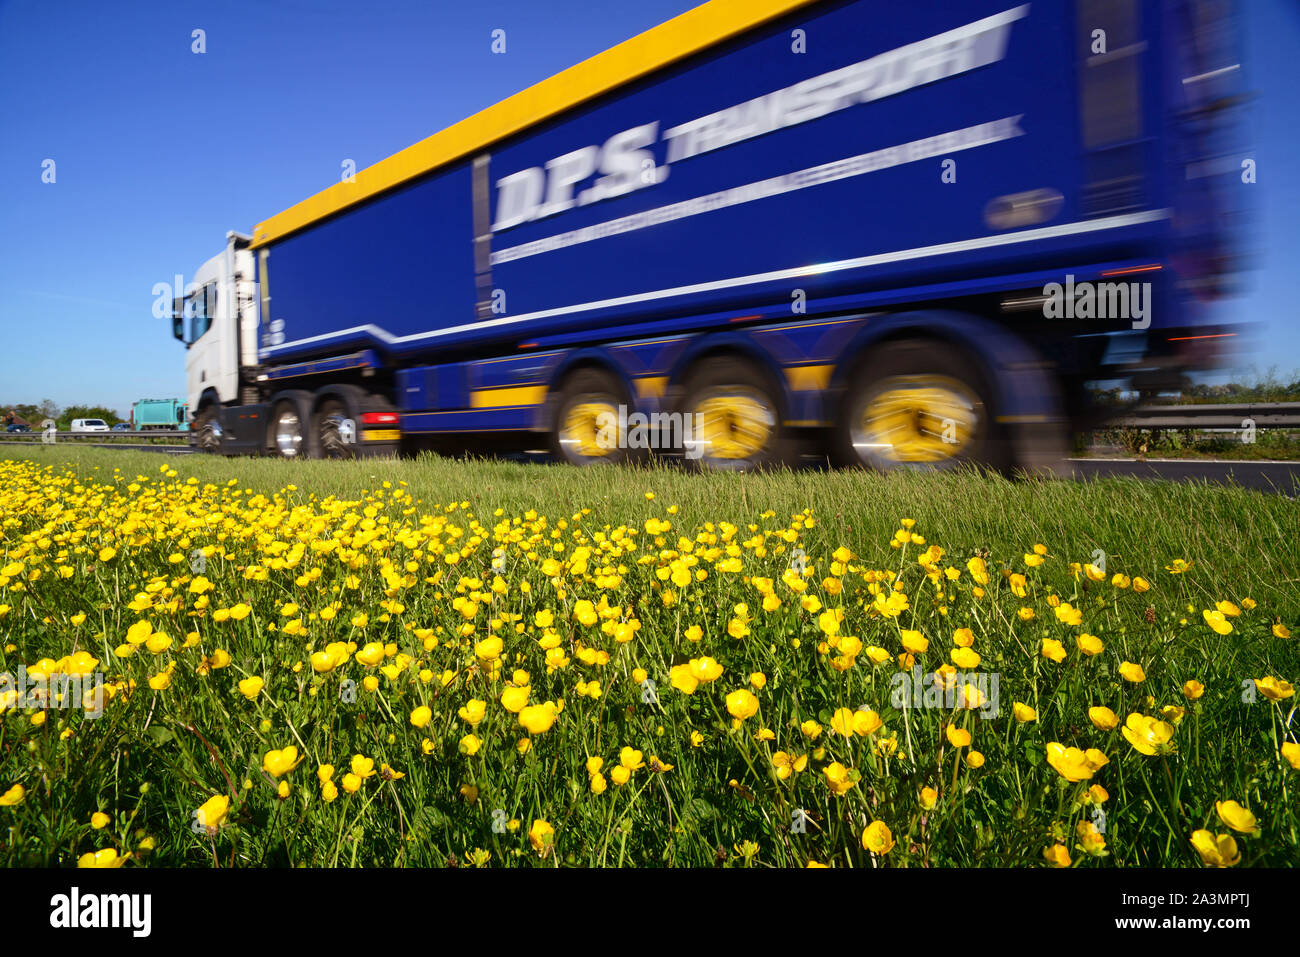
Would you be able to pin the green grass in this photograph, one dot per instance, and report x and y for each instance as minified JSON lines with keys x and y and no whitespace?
{"x":200,"y":737}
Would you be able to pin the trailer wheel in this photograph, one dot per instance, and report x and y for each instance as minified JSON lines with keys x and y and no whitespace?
{"x":588,"y":429}
{"x":207,"y":430}
{"x":336,"y":431}
{"x":733,"y":415}
{"x":918,"y":404}
{"x":288,"y":430}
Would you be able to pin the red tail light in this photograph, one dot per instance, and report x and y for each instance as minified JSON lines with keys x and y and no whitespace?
{"x":379,"y":418}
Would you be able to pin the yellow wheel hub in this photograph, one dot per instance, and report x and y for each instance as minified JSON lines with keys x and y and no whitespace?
{"x":734,"y":426}
{"x":591,"y":430}
{"x":918,"y":419}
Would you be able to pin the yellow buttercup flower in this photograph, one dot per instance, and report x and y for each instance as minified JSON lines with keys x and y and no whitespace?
{"x":251,"y":687}
{"x":421,"y":716}
{"x":1091,"y":841}
{"x":514,"y":699}
{"x":1274,"y":689}
{"x":372,"y":654}
{"x":680,"y":677}
{"x":1068,"y":615}
{"x":838,"y":778}
{"x":106,"y":858}
{"x":1132,"y":672}
{"x":277,"y":763}
{"x":1103,"y":718}
{"x":705,"y":669}
{"x":13,"y":796}
{"x":788,"y":764}
{"x":1216,"y":850}
{"x":1148,"y":735}
{"x":914,"y":642}
{"x":538,"y":718}
{"x":1071,"y":763}
{"x":1057,"y":855}
{"x":958,"y":737}
{"x":1291,"y":751}
{"x":362,"y":766}
{"x":1236,"y":817}
{"x":541,"y":836}
{"x":1023,"y":713}
{"x":877,"y":838}
{"x":1090,"y":645}
{"x":473,"y":711}
{"x":1217,"y":621}
{"x":742,"y":704}
{"x":866,"y":723}
{"x":212,"y":813}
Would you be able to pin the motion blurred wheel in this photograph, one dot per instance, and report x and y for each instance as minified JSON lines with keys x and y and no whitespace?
{"x":288,"y":431}
{"x":917,"y":405}
{"x":588,"y":429}
{"x":734,"y":419}
{"x":336,"y":431}
{"x":207,"y":430}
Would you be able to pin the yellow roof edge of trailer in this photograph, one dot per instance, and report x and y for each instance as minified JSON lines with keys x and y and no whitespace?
{"x":695,"y":30}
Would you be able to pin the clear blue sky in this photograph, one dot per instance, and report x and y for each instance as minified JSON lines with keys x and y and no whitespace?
{"x":159,"y":151}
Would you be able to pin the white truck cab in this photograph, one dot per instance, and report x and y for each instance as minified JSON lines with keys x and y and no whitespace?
{"x":217,"y":320}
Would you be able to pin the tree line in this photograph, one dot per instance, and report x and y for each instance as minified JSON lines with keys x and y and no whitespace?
{"x":34,"y":415}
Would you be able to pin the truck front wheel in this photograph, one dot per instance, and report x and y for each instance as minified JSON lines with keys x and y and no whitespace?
{"x":207,"y":430}
{"x":288,"y":431}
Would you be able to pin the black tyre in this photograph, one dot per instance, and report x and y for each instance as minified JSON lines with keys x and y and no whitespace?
{"x":919,"y":404}
{"x":335,"y":431}
{"x":207,"y":430}
{"x":288,"y":434}
{"x":734,"y":416}
{"x":588,"y":429}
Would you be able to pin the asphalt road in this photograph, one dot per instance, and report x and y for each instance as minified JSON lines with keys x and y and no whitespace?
{"x":1276,"y":477}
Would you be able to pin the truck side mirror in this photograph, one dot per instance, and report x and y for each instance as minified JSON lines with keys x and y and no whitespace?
{"x":178,"y":319}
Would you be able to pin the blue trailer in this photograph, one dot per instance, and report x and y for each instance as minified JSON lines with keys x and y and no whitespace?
{"x":898,"y":234}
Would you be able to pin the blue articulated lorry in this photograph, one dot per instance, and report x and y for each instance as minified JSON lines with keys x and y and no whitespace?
{"x":893,"y":234}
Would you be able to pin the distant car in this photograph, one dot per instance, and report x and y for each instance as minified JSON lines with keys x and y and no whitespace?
{"x":89,"y":425}
{"x":121,"y":427}
{"x":19,"y":427}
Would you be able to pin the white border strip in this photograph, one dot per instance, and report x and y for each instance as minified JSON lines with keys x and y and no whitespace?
{"x":817,"y":269}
